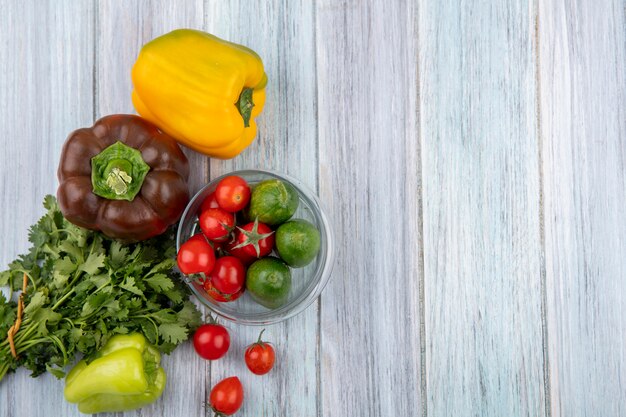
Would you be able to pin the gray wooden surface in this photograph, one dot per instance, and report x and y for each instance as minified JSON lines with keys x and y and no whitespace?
{"x":472,"y":156}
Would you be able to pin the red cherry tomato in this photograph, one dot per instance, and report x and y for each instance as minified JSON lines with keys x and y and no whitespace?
{"x":211,"y":341}
{"x":239,"y":253}
{"x":232,"y":193}
{"x":196,"y":256}
{"x":255,"y":239}
{"x":216,"y":224}
{"x":260,"y":357}
{"x":228,"y":275}
{"x":219,"y":296}
{"x":227,"y":396}
{"x":209,"y":202}
{"x":218,"y":247}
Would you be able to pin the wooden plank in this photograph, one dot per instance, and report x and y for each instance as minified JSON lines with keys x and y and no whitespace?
{"x":369,"y":180}
{"x":482,"y":258}
{"x":282,"y":33}
{"x":46,"y":63}
{"x":583,"y":128}
{"x":123,"y":27}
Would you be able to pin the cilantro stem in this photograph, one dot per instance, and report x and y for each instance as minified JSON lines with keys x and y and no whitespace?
{"x":58,"y":303}
{"x":27,"y":330}
{"x":68,"y":231}
{"x":32,"y":282}
{"x":58,"y":342}
{"x":156,"y":328}
{"x":4,"y":368}
{"x":31,"y":343}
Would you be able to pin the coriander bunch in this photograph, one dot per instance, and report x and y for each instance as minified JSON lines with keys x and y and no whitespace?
{"x":84,"y":288}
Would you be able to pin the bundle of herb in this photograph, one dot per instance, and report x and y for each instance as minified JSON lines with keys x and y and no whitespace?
{"x":84,"y":288}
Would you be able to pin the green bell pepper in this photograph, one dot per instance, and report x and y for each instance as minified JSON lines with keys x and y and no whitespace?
{"x":126,"y":375}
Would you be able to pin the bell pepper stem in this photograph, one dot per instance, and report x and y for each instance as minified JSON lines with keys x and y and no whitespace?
{"x":245,"y":105}
{"x":117,"y":173}
{"x":118,"y":181}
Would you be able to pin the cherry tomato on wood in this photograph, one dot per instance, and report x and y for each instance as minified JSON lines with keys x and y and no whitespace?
{"x":209,"y":202}
{"x":232,"y":193}
{"x":216,"y":224}
{"x":211,"y":341}
{"x":227,"y":396}
{"x":195,"y":256}
{"x":228,"y":275}
{"x":220,"y":296}
{"x":260,"y":356}
{"x":255,"y":239}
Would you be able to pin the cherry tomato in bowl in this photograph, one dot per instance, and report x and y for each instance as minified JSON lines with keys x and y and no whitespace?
{"x":255,"y":239}
{"x":228,"y":275}
{"x":220,"y":296}
{"x":195,"y":256}
{"x":209,"y":202}
{"x":239,"y":253}
{"x":232,"y":193}
{"x":216,"y":224}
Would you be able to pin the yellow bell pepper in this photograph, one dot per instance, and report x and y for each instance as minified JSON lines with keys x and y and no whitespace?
{"x":201,"y":90}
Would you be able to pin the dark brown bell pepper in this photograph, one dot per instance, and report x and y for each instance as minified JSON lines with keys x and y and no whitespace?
{"x":124,"y":177}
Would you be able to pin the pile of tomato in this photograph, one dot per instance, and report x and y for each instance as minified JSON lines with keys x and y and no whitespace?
{"x":223,"y":277}
{"x":241,"y":228}
{"x":212,"y":341}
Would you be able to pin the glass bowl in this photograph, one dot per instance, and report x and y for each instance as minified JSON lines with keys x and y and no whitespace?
{"x":307,"y":282}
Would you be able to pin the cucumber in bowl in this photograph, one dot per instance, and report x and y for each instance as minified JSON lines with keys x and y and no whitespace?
{"x":297,"y":242}
{"x":272,"y":202}
{"x":268,"y":281}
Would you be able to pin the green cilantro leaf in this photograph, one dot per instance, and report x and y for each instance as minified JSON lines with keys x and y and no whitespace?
{"x":71,"y":248}
{"x":189,"y":315}
{"x":36,"y":301}
{"x":164,"y":316}
{"x":173,"y":333}
{"x":59,"y":373}
{"x":130,"y":285}
{"x":45,"y":317}
{"x":94,"y":302}
{"x":176,"y":295}
{"x":119,"y":254}
{"x":5,"y":277}
{"x":160,"y":282}
{"x":94,"y":262}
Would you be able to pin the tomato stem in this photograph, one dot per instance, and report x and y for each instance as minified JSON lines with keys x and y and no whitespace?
{"x":212,"y":319}
{"x":253,"y":237}
{"x":259,"y":342}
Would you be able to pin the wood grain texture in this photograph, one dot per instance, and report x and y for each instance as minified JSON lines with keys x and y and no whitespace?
{"x":482,"y":258}
{"x":471,"y":156}
{"x":282,"y":33}
{"x":46,"y":61}
{"x":369,"y":180}
{"x":122,"y":28}
{"x":583,"y":127}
